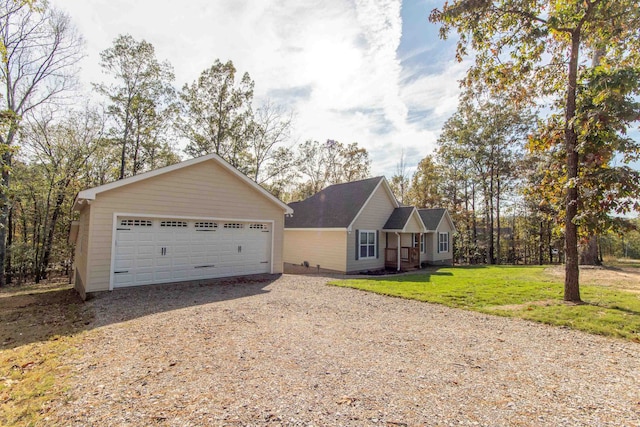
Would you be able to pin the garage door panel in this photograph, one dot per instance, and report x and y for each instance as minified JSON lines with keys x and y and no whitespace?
{"x":127,"y":250}
{"x":181,"y":262}
{"x":124,"y":264}
{"x":123,"y":279}
{"x":165,"y":250}
{"x":145,"y":250}
{"x":162,"y":262}
{"x":162,"y":276}
{"x":145,"y":275}
{"x":145,"y":263}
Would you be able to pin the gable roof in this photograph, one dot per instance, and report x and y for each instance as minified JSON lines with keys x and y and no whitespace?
{"x":337,"y":206}
{"x":432,"y":218}
{"x":400,"y":217}
{"x":91,"y":193}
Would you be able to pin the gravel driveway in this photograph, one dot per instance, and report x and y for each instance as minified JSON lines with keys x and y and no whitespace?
{"x":293,"y":351}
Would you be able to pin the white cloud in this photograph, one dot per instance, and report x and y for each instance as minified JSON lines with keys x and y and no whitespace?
{"x":335,"y":62}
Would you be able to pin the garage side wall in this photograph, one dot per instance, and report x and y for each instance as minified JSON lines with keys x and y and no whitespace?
{"x":324,"y":248}
{"x":203,"y":190}
{"x":81,"y":251}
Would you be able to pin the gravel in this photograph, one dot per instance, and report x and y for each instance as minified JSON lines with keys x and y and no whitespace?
{"x":293,"y":351}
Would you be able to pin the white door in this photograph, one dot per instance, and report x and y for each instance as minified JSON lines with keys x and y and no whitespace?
{"x":149,"y":250}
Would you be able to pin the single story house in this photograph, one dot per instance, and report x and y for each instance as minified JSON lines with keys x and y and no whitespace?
{"x":360,"y":226}
{"x":194,"y":220}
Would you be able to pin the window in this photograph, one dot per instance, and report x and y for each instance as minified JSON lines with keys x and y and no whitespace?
{"x":367,"y":244}
{"x":419,"y":240}
{"x":233,"y":225}
{"x":443,"y":242}
{"x":205,"y":225}
{"x":136,"y":222}
{"x":173,"y":224}
{"x":258,"y":226}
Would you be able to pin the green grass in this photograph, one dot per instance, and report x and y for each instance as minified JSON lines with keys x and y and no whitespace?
{"x":525,"y":292}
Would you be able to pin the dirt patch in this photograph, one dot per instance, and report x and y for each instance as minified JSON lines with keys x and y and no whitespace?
{"x":515,"y":307}
{"x":39,"y":312}
{"x":623,"y":278}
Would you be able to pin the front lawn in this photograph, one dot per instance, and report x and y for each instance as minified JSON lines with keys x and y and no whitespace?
{"x":530,"y":292}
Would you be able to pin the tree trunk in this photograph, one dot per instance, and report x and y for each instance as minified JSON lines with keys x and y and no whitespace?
{"x":125,"y":136}
{"x":571,"y":280}
{"x":549,"y":248}
{"x":474,"y":221}
{"x":10,"y":229}
{"x":48,"y":242}
{"x":589,"y":254}
{"x":466,"y":216}
{"x":540,"y":243}
{"x":4,"y":213}
{"x":498,"y":220}
{"x":514,"y":256}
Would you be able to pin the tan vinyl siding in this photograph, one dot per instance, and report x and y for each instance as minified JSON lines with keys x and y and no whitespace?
{"x":443,"y":257}
{"x":433,"y":256}
{"x":324,"y":248}
{"x":413,"y":225}
{"x":204,"y":190}
{"x":81,"y":250}
{"x":373,"y":217}
{"x":430,"y":248}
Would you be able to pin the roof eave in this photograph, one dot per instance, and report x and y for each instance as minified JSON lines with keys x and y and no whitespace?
{"x":316,"y":229}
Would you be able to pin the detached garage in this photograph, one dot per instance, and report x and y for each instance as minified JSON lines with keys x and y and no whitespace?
{"x":199,"y":219}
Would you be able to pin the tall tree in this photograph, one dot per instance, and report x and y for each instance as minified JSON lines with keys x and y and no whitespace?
{"x":606,"y":107}
{"x":488,"y":133}
{"x":525,"y":47}
{"x":141,"y":102}
{"x":425,"y":188}
{"x":40,"y":51}
{"x":216,"y":113}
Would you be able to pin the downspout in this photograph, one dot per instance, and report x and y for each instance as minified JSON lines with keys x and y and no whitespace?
{"x":398,"y":251}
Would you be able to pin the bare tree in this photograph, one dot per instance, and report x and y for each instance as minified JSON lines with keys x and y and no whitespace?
{"x":400,"y":180}
{"x":270,"y":128}
{"x":41,"y":51}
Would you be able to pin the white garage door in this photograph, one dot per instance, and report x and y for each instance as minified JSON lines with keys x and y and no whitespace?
{"x":151,"y":250}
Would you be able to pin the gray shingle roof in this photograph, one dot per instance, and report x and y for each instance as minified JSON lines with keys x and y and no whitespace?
{"x":398,"y":218}
{"x":431,"y":217}
{"x":334,"y":207}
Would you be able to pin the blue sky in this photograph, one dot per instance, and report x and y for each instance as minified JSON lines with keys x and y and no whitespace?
{"x":367,"y":71}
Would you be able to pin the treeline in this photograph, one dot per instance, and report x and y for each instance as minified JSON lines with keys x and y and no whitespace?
{"x":499,"y":170}
{"x":55,"y":144}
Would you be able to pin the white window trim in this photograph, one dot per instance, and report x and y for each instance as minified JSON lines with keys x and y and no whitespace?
{"x":443,"y":245}
{"x":423,"y":243}
{"x":419,"y":242}
{"x":375,"y":245}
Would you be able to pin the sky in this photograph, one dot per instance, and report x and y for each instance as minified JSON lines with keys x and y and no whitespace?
{"x":367,"y":71}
